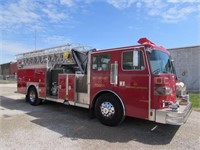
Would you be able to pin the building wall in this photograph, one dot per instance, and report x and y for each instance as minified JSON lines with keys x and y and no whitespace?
{"x":1,"y":76}
{"x":187,"y":64}
{"x":8,"y":71}
{"x":13,"y":68}
{"x":5,"y":68}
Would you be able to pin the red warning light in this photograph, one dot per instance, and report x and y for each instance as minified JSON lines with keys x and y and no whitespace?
{"x":145,"y":41}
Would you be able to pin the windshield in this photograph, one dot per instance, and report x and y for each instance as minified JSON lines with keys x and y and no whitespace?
{"x":160,"y":62}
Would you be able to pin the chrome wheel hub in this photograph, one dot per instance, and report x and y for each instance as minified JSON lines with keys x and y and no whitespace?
{"x":32,"y":96}
{"x":107,"y":109}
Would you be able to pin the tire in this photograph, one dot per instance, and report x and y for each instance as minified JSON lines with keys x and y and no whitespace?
{"x":109,"y":110}
{"x":32,"y":97}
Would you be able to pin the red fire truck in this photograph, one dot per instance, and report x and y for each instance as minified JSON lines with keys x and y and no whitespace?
{"x":137,"y":81}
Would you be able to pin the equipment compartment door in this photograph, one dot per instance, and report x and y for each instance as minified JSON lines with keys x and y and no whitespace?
{"x":71,"y":87}
{"x":62,"y":86}
{"x":21,"y":83}
{"x":40,"y":77}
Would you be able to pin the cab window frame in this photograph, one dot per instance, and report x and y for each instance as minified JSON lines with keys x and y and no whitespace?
{"x":142,"y":56}
{"x":100,"y":62}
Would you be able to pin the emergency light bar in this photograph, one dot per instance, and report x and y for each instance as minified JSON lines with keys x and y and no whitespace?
{"x":145,"y":41}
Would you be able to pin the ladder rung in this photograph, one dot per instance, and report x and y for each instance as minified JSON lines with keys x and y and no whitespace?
{"x":54,"y":55}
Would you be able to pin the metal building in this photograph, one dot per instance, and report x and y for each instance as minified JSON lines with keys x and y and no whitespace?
{"x":187,"y":64}
{"x":8,"y":71}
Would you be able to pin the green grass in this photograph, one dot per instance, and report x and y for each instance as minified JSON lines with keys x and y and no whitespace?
{"x":195,"y":99}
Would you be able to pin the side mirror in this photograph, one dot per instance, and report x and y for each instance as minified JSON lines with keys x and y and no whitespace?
{"x":135,"y":58}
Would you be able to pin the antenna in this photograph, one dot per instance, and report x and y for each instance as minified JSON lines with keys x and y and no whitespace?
{"x":35,"y":39}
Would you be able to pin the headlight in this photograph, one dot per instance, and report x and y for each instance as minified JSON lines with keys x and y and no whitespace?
{"x":162,"y":90}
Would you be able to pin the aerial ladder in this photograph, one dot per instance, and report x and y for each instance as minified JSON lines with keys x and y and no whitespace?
{"x":49,"y":57}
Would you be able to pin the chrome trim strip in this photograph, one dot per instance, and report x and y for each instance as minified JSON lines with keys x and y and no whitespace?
{"x":82,"y":98}
{"x":67,"y":102}
{"x":75,"y":93}
{"x":71,"y":103}
{"x":89,"y":75}
{"x":55,"y":100}
{"x":78,"y":104}
{"x":34,"y":67}
{"x":82,"y":105}
{"x":150,"y":111}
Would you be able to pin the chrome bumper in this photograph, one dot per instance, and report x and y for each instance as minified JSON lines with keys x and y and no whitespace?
{"x":167,"y":116}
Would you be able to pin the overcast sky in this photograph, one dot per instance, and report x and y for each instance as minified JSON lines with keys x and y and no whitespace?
{"x":29,"y":24}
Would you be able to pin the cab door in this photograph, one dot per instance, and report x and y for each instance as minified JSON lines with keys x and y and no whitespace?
{"x":134,"y":82}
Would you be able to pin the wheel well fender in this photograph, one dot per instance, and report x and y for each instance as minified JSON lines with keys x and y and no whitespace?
{"x":32,"y":86}
{"x":113,"y":93}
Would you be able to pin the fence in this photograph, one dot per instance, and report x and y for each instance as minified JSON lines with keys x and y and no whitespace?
{"x":8,"y":77}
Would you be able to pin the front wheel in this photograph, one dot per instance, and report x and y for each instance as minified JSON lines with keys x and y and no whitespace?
{"x":109,"y":110}
{"x":32,"y":97}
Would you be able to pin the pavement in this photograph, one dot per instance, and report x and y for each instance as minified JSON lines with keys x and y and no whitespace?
{"x":55,"y":126}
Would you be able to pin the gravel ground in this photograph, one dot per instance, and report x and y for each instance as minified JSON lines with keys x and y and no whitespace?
{"x":57,"y":126}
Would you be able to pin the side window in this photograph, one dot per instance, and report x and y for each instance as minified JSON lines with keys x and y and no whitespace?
{"x":133,"y":60}
{"x":100,"y":62}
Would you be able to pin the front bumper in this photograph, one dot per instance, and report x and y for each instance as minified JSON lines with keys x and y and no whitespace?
{"x":167,"y":116}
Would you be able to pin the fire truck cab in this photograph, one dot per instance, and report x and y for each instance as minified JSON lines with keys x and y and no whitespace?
{"x":137,"y":81}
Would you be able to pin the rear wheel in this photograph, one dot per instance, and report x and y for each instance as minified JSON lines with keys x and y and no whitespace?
{"x":32,"y":97}
{"x":109,"y":110}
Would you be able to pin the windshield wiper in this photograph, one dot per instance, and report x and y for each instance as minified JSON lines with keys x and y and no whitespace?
{"x":157,"y":71}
